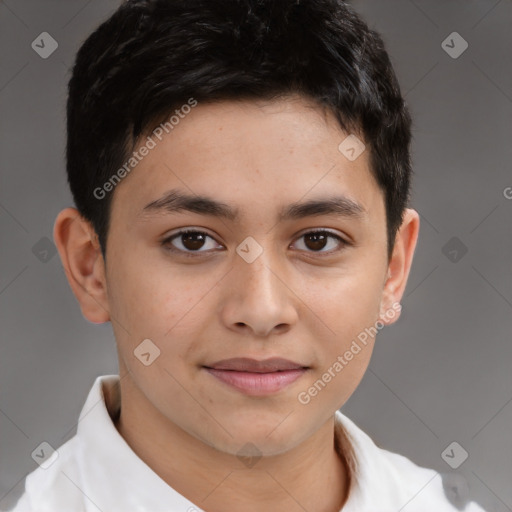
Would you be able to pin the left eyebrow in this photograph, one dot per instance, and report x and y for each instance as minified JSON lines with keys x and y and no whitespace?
{"x":176,"y":201}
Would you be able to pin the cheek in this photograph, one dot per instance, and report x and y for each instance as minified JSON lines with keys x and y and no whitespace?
{"x":347,"y":303}
{"x":170,"y":307}
{"x":154,"y":297}
{"x":345,"y":353}
{"x":348,"y":307}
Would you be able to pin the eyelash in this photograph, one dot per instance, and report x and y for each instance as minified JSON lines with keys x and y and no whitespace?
{"x":166,"y":243}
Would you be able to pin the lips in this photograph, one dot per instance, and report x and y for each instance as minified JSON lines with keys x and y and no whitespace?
{"x":256,"y":378}
{"x":245,"y":364}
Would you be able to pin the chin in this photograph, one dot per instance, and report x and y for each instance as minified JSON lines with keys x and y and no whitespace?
{"x":254,"y":448}
{"x":252,"y":441}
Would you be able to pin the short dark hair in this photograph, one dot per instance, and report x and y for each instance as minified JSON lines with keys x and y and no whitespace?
{"x":152,"y":56}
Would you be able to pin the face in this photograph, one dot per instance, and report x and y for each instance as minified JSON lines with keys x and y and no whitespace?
{"x":252,"y":279}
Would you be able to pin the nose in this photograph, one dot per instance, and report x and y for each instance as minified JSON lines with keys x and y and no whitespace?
{"x":259,"y":297}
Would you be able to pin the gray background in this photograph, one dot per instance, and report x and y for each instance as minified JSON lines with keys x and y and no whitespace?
{"x":441,"y":374}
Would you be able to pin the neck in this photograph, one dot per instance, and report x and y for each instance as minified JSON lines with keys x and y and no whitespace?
{"x":311,"y":476}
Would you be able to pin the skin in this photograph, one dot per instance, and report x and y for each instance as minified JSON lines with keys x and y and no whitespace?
{"x":292,"y":301}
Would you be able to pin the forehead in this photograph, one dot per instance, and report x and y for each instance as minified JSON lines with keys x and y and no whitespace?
{"x":250,"y":154}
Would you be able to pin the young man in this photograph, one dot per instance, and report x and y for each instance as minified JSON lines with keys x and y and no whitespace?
{"x":241,"y":174}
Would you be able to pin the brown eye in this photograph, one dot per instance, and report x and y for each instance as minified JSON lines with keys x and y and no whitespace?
{"x":189,"y":242}
{"x":317,"y":241}
{"x":193,"y":241}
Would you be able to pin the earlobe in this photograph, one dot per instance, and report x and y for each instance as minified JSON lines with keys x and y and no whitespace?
{"x":399,"y":266}
{"x":83,"y":263}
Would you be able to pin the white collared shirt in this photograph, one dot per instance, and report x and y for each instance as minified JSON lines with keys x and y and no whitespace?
{"x":97,"y":471}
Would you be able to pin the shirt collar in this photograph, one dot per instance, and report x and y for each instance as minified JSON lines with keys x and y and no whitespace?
{"x":116,"y":479}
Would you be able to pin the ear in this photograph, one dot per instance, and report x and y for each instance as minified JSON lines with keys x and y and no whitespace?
{"x":399,"y":267}
{"x":83,"y":263}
